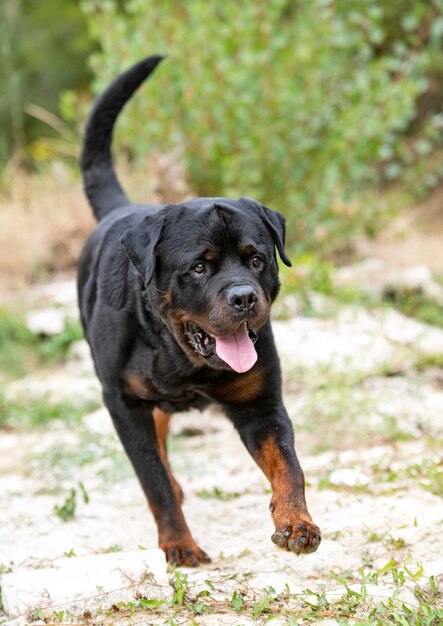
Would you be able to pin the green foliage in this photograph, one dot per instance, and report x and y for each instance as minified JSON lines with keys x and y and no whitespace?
{"x":43,"y":52}
{"x":63,"y":460}
{"x":217,"y":494}
{"x":151,"y":604}
{"x":32,"y":412}
{"x":300,"y":105}
{"x":180,"y":585}
{"x":66,"y":511}
{"x":414,"y":303}
{"x":427,"y":474}
{"x":17,"y":344}
{"x":56,"y":347}
{"x":112,"y":548}
{"x":21,"y":350}
{"x":237,"y":601}
{"x":70,"y":554}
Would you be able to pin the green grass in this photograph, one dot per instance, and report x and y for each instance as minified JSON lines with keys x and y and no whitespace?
{"x":63,"y":461}
{"x":67,"y":510}
{"x":39,"y":411}
{"x":417,"y":305}
{"x":346,"y":599}
{"x":338,"y":410}
{"x":427,"y":474}
{"x":429,"y":361}
{"x":21,"y":351}
{"x":217,"y":494}
{"x":310,"y":275}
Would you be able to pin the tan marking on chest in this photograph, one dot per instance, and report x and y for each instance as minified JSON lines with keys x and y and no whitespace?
{"x":139,"y":387}
{"x":242,"y":388}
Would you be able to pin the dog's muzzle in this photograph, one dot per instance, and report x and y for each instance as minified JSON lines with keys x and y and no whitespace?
{"x":237,"y":349}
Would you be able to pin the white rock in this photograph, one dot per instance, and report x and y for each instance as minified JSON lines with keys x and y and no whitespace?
{"x":416,"y":278}
{"x":352,"y":342}
{"x":86,"y":583}
{"x":60,"y":292}
{"x":46,"y":321}
{"x":375,"y":277}
{"x":348,"y":477}
{"x":80,"y":350}
{"x":368,"y":275}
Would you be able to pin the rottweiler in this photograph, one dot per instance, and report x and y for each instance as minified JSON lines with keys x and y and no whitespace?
{"x":175,"y":303}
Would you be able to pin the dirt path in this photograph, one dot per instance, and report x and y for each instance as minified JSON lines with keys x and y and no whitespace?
{"x":369,"y":428}
{"x":412,"y":239}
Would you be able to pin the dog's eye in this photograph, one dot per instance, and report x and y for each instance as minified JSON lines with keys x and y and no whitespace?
{"x":257,"y":261}
{"x":200,"y":268}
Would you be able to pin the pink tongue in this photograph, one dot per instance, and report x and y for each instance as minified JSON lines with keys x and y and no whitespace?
{"x":237,"y":350}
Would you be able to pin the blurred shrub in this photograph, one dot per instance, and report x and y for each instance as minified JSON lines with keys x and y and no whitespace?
{"x":21,"y":351}
{"x":300,"y":105}
{"x":43,"y":51}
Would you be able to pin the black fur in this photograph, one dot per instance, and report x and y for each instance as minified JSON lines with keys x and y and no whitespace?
{"x":142,"y":292}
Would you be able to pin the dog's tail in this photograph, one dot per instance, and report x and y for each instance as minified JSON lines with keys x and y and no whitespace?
{"x":100,"y":182}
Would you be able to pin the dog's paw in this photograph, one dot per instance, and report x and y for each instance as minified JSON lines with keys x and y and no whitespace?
{"x":184,"y":553}
{"x":296,"y":532}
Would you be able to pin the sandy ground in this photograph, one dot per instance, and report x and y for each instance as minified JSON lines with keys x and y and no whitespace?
{"x":412,"y":239}
{"x":369,"y":439}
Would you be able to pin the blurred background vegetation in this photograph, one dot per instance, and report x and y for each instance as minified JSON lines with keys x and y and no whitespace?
{"x":318,"y":109}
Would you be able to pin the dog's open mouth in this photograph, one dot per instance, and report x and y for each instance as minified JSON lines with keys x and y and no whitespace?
{"x":237,"y":350}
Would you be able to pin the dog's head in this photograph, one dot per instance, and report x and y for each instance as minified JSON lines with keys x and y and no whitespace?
{"x":209,"y":267}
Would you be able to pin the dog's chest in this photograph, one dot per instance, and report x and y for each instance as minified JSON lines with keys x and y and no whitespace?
{"x":177,"y":395}
{"x":196,"y":392}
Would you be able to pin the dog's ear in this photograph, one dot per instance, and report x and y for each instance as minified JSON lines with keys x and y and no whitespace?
{"x":139,"y":243}
{"x":275,"y":221}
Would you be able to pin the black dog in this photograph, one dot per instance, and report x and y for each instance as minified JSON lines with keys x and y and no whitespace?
{"x":173,"y":299}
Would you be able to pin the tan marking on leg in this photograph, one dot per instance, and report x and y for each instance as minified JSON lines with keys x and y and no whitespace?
{"x":175,"y":538}
{"x":161,"y":422}
{"x":294,"y":527}
{"x":286,"y":485}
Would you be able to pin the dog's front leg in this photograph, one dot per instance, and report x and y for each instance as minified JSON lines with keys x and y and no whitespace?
{"x":267,"y":433}
{"x":134,"y":423}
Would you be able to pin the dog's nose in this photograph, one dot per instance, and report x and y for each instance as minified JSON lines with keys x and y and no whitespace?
{"x":242,"y":297}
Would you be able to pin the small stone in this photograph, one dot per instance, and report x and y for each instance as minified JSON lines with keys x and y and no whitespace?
{"x":46,"y":321}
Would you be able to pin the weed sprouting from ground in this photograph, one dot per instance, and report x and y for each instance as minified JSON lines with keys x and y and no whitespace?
{"x":67,"y":510}
{"x":218,"y":494}
{"x":390,"y":596}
